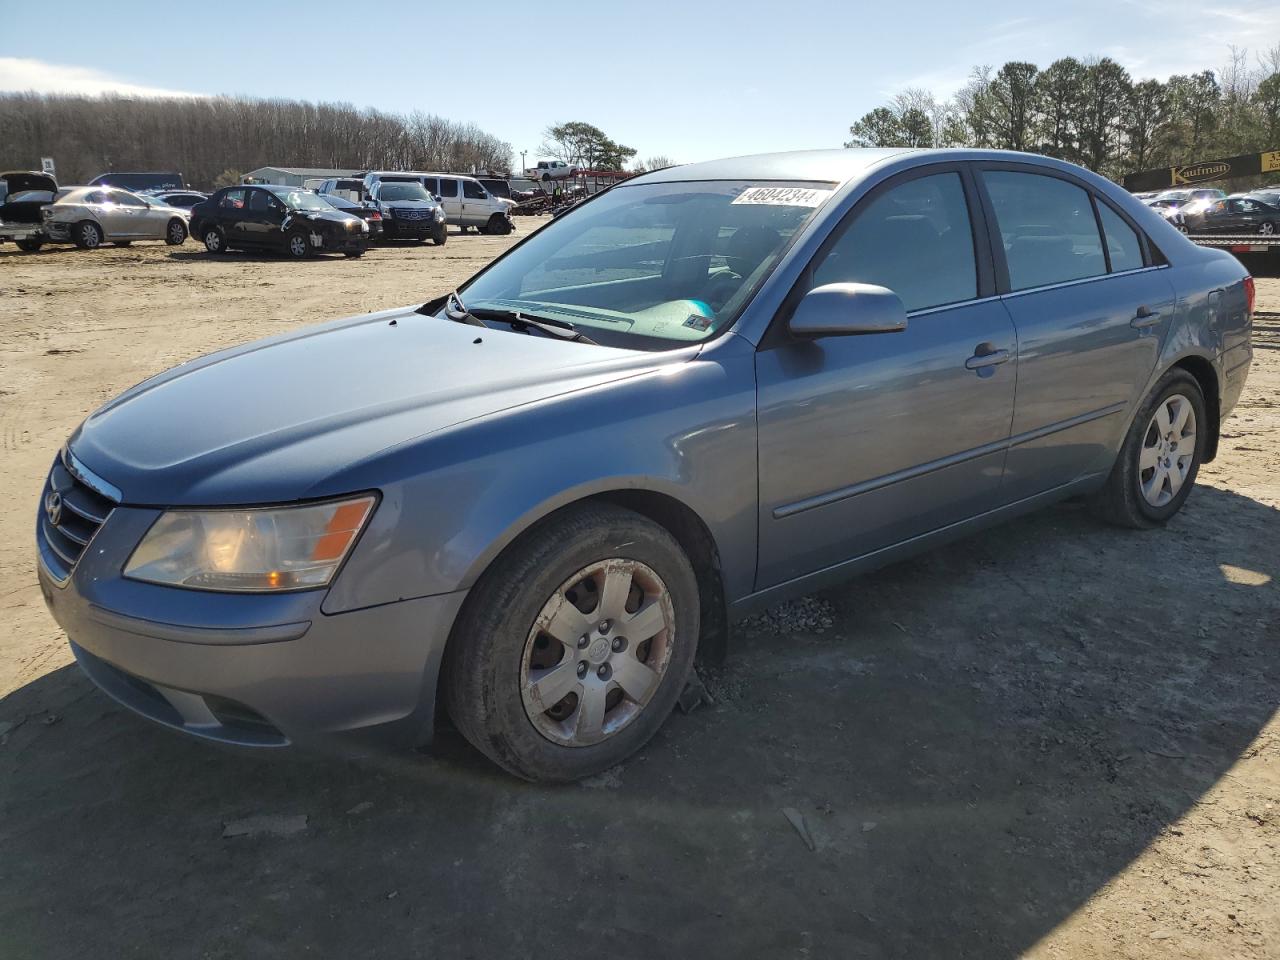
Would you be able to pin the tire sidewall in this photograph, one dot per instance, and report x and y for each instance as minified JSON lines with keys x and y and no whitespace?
{"x":170,"y":233}
{"x":496,"y":644}
{"x":1174,"y":382}
{"x":220,"y":246}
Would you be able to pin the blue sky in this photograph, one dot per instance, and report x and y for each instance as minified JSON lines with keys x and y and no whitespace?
{"x":691,"y":80}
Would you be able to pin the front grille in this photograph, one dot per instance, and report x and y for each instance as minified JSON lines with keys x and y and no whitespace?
{"x":410,"y":214}
{"x":71,"y":512}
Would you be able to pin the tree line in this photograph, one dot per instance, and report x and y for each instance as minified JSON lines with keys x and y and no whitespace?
{"x":213,"y":140}
{"x":1092,"y":112}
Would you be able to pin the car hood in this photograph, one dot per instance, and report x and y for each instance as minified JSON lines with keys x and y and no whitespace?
{"x":324,"y":216}
{"x":271,"y":421}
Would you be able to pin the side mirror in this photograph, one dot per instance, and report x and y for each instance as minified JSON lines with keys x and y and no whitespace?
{"x":845,"y":309}
{"x":439,"y":199}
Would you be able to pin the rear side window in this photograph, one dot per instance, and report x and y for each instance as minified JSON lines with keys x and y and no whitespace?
{"x":1122,"y":241}
{"x":472,"y":190}
{"x":448,"y":188}
{"x":1047,"y":228}
{"x":915,"y":239}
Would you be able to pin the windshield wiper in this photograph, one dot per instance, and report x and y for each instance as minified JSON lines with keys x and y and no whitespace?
{"x":556,"y":328}
{"x":457,"y":311}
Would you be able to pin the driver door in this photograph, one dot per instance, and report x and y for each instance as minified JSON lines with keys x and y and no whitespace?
{"x":869,"y":441}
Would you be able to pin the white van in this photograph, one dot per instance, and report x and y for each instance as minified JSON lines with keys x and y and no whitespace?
{"x":468,"y":204}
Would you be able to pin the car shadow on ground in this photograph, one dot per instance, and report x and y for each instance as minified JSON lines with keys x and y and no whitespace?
{"x":975,"y":743}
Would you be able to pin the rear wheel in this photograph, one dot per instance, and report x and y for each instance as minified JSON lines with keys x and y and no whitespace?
{"x":29,"y":245}
{"x":1160,"y":458}
{"x":215,"y":241}
{"x":88,"y":235}
{"x":176,"y":233}
{"x":353,"y":254}
{"x":1267,"y":229}
{"x":573,"y":648}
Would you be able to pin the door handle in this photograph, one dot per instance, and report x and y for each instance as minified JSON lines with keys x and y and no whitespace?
{"x":992,"y":358}
{"x":1145,"y":317}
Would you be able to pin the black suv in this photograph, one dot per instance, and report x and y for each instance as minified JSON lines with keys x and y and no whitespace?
{"x":276,"y":217}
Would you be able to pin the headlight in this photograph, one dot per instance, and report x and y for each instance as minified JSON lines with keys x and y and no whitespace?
{"x":257,"y":550}
{"x":439,"y":215}
{"x":388,"y":213}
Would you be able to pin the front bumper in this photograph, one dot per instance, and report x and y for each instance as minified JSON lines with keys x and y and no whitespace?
{"x":417,"y":229}
{"x":250,"y":670}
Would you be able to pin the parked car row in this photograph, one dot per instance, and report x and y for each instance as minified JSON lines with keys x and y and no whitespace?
{"x":464,"y":202}
{"x":1206,"y":210}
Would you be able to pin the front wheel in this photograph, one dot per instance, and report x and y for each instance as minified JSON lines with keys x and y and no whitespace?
{"x":1267,"y":229}
{"x":1160,"y":458}
{"x":353,"y":254}
{"x":297,"y":245}
{"x":28,"y":245}
{"x":176,"y":233}
{"x":573,"y":648}
{"x":441,"y":235}
{"x":498,"y":226}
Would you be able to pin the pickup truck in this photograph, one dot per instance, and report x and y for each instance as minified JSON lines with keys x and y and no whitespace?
{"x":22,"y":195}
{"x":552,"y":170}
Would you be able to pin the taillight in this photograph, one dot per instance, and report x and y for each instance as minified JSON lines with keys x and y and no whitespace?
{"x":377,"y":216}
{"x":1250,"y":295}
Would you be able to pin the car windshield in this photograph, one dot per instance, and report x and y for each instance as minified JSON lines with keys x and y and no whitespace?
{"x":403,"y":191}
{"x":652,"y":265}
{"x":301,"y":200}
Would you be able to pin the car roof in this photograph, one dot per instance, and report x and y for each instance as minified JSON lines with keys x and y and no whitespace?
{"x":832,"y":166}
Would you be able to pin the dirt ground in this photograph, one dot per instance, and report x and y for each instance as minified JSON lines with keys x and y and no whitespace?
{"x":1057,"y":739}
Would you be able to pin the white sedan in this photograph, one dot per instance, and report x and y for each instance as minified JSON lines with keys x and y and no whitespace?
{"x":91,"y":216}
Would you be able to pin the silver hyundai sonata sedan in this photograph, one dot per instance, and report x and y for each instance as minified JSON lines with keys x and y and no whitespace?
{"x":536,"y":498}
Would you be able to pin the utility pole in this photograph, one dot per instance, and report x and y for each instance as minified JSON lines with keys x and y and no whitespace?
{"x":522,"y":164}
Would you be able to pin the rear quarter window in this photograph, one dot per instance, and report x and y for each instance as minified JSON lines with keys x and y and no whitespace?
{"x":1123,"y":245}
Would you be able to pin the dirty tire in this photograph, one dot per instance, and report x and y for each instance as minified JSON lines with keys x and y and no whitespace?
{"x":215,"y":241}
{"x":88,"y":235}
{"x":441,"y":235}
{"x":29,"y":246}
{"x":353,"y":254}
{"x":482,"y":683}
{"x":1121,"y":501}
{"x":498,"y":226}
{"x":175,"y":234}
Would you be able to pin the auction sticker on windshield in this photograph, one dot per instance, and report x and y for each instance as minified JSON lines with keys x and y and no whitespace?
{"x":783,"y":196}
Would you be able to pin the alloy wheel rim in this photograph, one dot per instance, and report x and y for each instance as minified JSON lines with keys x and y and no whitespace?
{"x":1168,"y":451}
{"x":597,"y":652}
{"x":297,"y":246}
{"x":90,"y":235}
{"x":213,"y":240}
{"x":175,"y":233}
{"x":1268,"y":228}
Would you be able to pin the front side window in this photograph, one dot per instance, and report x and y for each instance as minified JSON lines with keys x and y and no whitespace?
{"x":1047,"y":228}
{"x":126,"y":199}
{"x":915,"y":239}
{"x":232,"y":200}
{"x":1122,"y":241}
{"x":472,"y":190}
{"x":651,"y":265}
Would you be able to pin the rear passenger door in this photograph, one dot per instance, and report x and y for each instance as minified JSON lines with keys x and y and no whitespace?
{"x":475,"y":204}
{"x":867,"y":441}
{"x":1090,"y":306}
{"x":451,"y":199}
